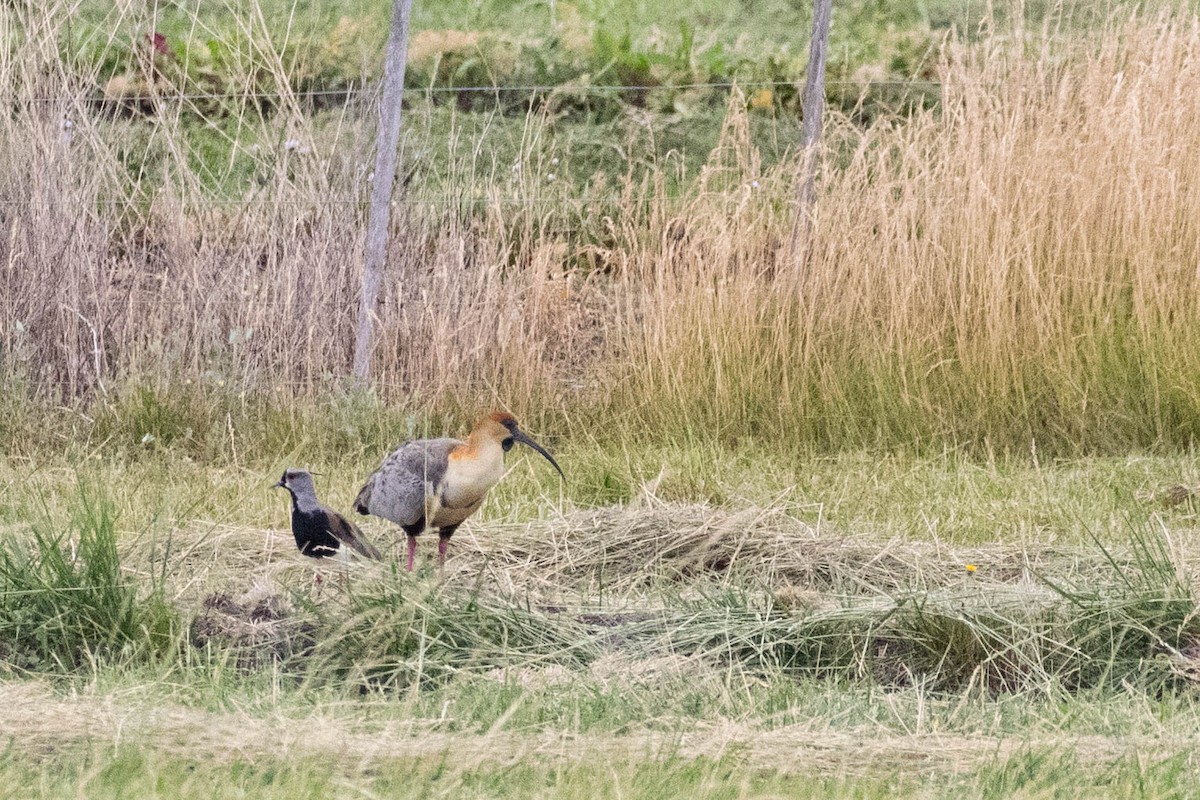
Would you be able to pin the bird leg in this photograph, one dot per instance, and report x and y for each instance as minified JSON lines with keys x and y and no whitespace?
{"x":443,"y":540}
{"x":412,"y":551}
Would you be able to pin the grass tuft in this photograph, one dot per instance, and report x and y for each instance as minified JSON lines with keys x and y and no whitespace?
{"x":68,"y":604}
{"x":392,"y":633}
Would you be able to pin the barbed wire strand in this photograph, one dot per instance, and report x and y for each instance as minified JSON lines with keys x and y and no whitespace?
{"x":563,"y":88}
{"x":566,"y":201}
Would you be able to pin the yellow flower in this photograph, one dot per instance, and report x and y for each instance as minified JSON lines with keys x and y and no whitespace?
{"x":971,"y":568}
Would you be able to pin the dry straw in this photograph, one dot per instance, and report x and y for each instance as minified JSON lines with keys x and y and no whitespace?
{"x":632,"y":555}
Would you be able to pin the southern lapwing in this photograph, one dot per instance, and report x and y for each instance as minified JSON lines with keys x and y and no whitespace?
{"x":321,"y":532}
{"x":437,"y":483}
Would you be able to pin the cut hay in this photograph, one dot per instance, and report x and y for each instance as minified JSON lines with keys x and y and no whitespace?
{"x":635,"y":552}
{"x":618,"y":550}
{"x":42,"y":723}
{"x":204,"y":559}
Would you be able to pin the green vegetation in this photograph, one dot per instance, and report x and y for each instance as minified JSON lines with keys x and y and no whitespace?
{"x":66,"y":601}
{"x":911,"y":516}
{"x":167,"y":460}
{"x":736,"y":639}
{"x":602,"y":70}
{"x":1096,"y":600}
{"x":507,"y":45}
{"x":129,"y":773}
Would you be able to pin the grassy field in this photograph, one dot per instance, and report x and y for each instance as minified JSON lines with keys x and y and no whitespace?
{"x":305,"y":753}
{"x":915,"y":514}
{"x":812,"y":630}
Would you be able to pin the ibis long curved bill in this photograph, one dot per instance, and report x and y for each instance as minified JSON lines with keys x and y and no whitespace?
{"x":524,"y":438}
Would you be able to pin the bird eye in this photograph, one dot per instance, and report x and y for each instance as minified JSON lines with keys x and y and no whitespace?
{"x":507,"y":443}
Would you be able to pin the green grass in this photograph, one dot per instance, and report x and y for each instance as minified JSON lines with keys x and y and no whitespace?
{"x":470,"y":693}
{"x":1110,"y":596}
{"x":130,"y":773}
{"x":343,"y":44}
{"x":66,"y":601}
{"x":807,"y":739}
{"x":913,"y":498}
{"x":134,"y":774}
{"x":620,"y":697}
{"x":392,"y":635}
{"x":340,"y":45}
{"x":169,"y":458}
{"x":589,"y":47}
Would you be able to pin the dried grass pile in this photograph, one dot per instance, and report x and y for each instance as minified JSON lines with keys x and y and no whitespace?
{"x":255,"y":632}
{"x":635,"y":548}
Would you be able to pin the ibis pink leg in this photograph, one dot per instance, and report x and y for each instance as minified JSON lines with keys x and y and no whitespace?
{"x":412,"y":551}
{"x":442,"y":542}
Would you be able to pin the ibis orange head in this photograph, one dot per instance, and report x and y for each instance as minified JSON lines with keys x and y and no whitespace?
{"x":503,"y":427}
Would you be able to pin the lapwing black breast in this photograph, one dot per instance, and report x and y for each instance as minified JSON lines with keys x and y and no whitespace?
{"x":324,"y":533}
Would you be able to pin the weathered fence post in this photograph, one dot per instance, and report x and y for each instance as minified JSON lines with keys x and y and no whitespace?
{"x":381,"y":190}
{"x":813,"y":108}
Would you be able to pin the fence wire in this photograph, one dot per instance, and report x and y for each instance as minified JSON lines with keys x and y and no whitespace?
{"x":372,"y":92}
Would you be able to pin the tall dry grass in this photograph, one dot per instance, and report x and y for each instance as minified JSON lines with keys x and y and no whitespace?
{"x":1017,"y":265}
{"x":124,"y":259}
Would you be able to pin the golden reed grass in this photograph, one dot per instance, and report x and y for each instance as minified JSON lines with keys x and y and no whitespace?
{"x":1016,"y":267}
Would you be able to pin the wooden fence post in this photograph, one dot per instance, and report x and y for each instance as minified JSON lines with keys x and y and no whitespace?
{"x":375,"y":251}
{"x":813,"y":109}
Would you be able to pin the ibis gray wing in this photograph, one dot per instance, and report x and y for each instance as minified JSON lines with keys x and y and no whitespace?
{"x":362,"y":503}
{"x":396,"y":491}
{"x":350,"y":535}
